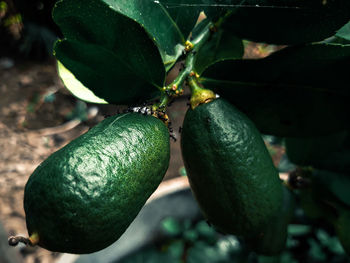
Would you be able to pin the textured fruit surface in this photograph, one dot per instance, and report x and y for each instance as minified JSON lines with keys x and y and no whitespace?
{"x":229,"y":168}
{"x":273,"y":237}
{"x":84,"y":196}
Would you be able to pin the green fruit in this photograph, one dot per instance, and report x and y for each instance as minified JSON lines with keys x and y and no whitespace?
{"x":229,"y":168}
{"x":84,"y":196}
{"x":273,"y":237}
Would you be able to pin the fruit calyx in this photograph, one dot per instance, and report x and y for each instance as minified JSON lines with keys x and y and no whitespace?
{"x":199,"y":95}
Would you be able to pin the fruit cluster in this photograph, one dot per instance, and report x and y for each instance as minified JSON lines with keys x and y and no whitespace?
{"x":84,"y":196}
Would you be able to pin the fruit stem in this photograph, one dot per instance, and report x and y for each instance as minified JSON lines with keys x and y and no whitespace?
{"x":33,"y":240}
{"x":175,"y":88}
{"x":199,"y":95}
{"x":161,"y":106}
{"x":159,"y":109}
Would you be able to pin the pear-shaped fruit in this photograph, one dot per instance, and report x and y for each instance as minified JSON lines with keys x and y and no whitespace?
{"x":84,"y":196}
{"x":229,"y":168}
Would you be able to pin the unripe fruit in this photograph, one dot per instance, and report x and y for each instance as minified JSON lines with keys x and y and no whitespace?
{"x":230,"y":170}
{"x":84,"y":196}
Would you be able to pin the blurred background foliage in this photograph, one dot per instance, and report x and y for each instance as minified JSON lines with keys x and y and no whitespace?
{"x":27,"y":29}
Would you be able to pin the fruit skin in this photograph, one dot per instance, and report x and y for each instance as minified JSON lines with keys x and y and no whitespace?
{"x":273,"y":237}
{"x":84,"y":196}
{"x":229,"y":168}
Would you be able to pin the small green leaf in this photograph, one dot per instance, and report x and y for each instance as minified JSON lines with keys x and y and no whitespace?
{"x":182,"y":171}
{"x":331,"y":242}
{"x":190,"y":235}
{"x":110,"y":56}
{"x":316,"y":252}
{"x":287,"y":22}
{"x":171,"y":226}
{"x":204,"y":230}
{"x":221,"y":46}
{"x":344,"y":32}
{"x":76,"y":87}
{"x":298,"y":230}
{"x":176,"y":249}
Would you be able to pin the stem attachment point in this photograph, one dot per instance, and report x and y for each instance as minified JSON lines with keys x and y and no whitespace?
{"x":33,"y":240}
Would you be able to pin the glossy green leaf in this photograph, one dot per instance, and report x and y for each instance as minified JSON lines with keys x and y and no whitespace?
{"x":288,"y":22}
{"x":344,"y":32}
{"x":184,"y":14}
{"x":76,"y":87}
{"x":157,"y":22}
{"x":321,"y":65}
{"x":298,"y":91}
{"x":171,"y":226}
{"x":309,"y":151}
{"x":110,"y":56}
{"x":150,"y":14}
{"x":220,"y":46}
{"x":336,"y":184}
{"x":321,"y":152}
{"x":286,"y":111}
